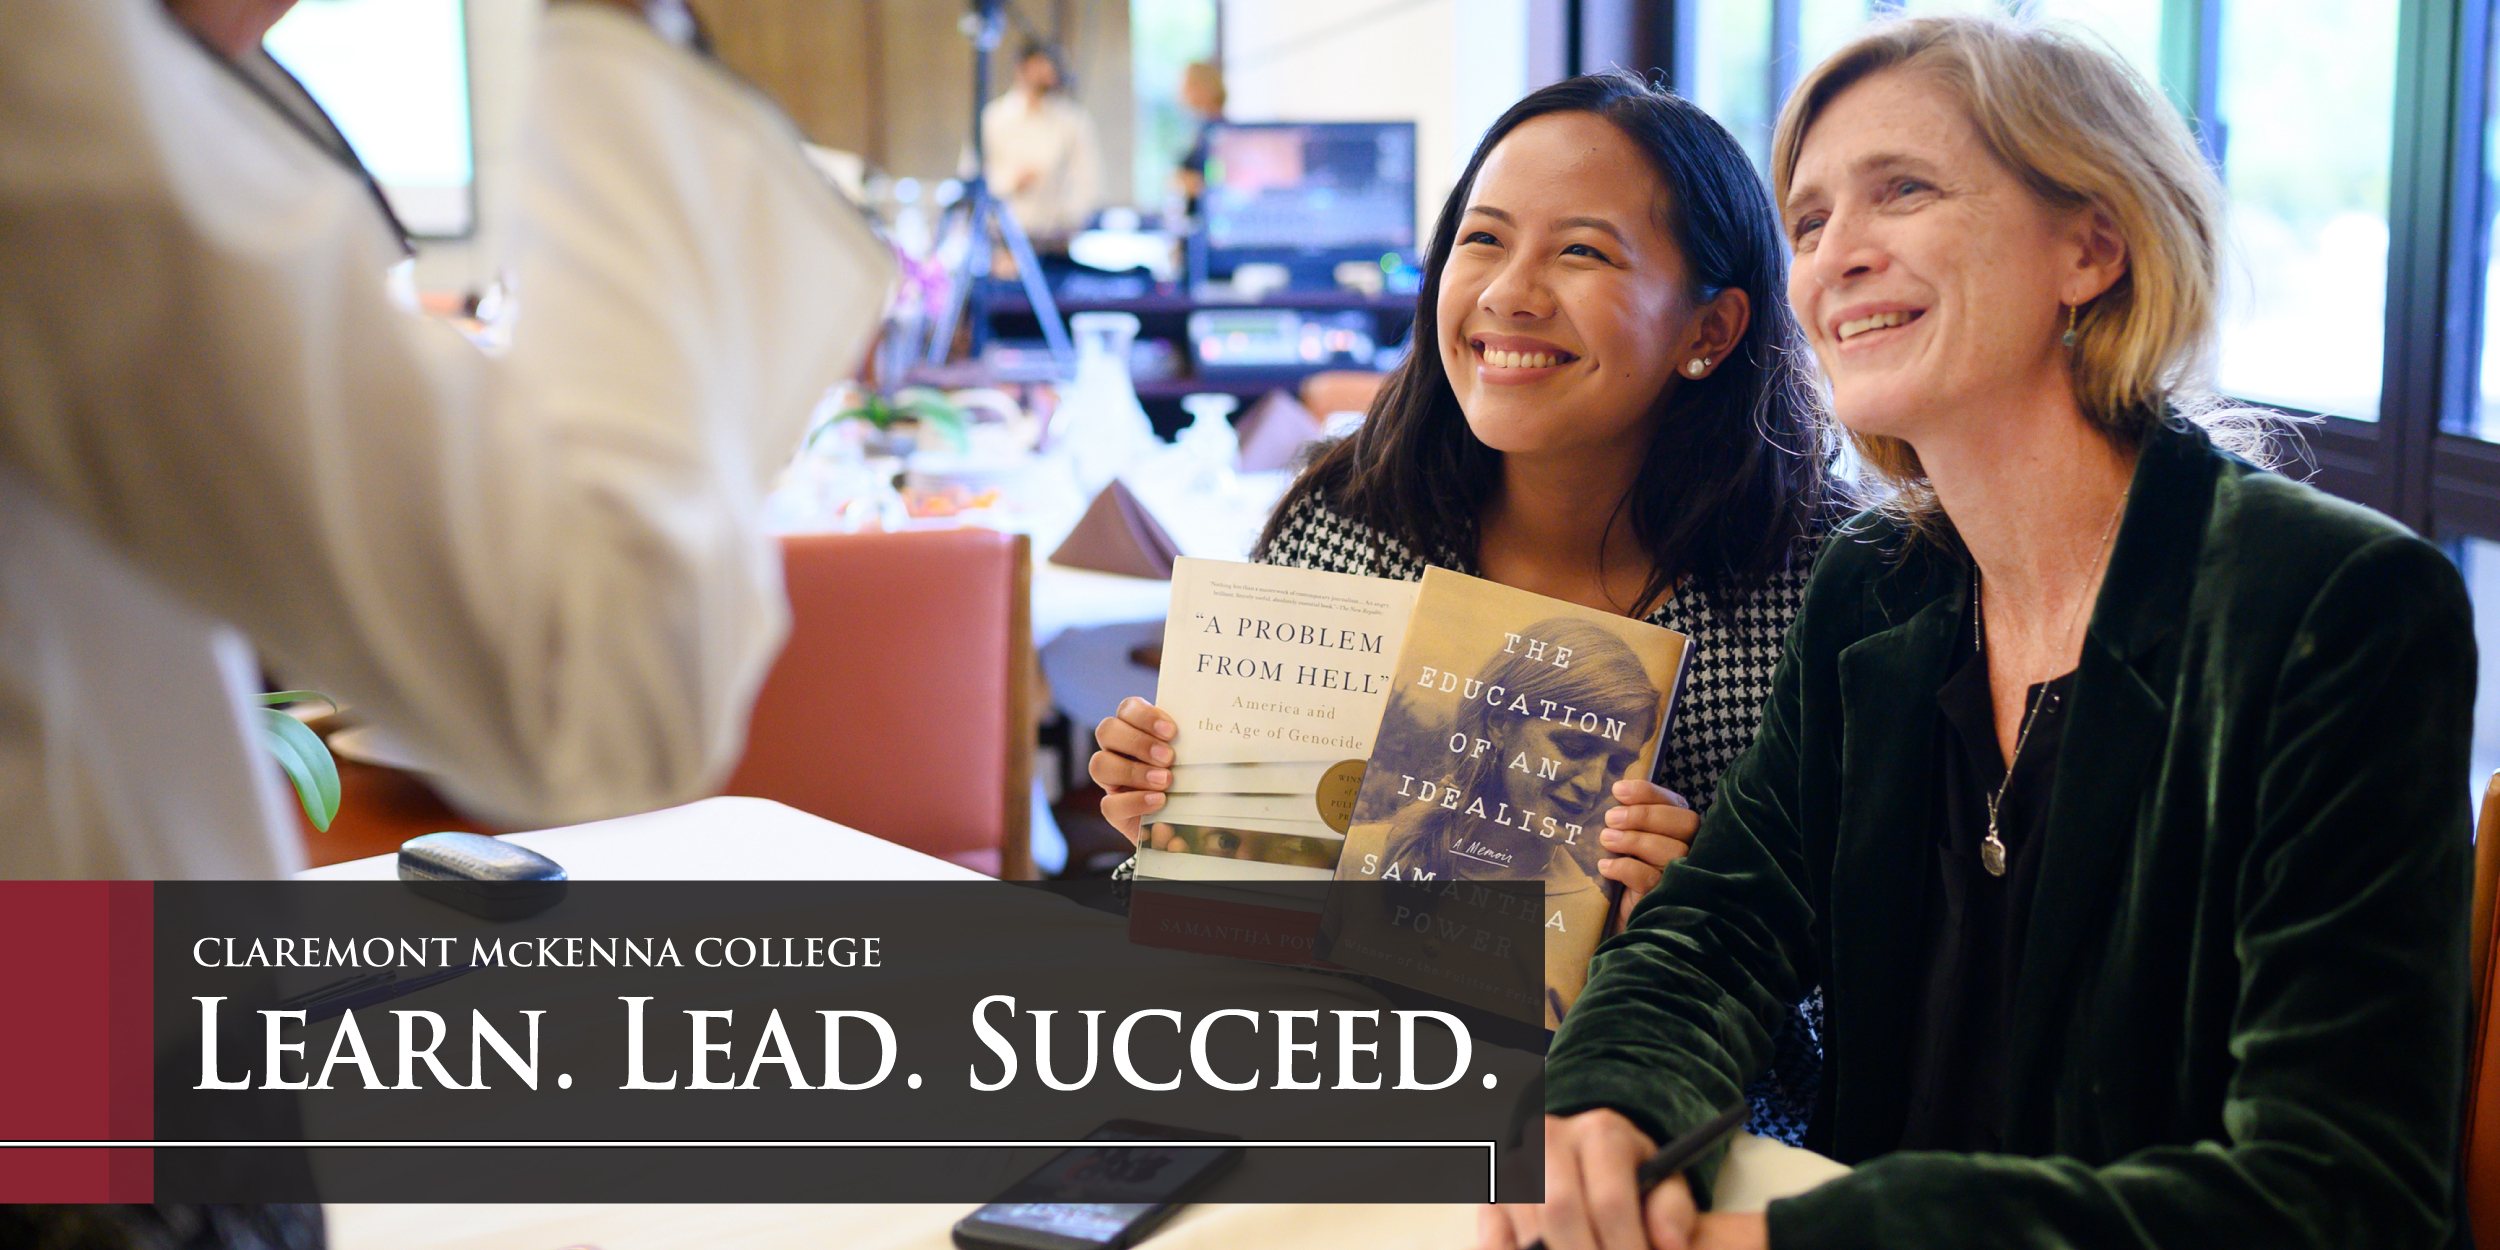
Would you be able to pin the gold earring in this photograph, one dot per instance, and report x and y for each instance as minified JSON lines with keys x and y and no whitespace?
{"x":2069,"y":339}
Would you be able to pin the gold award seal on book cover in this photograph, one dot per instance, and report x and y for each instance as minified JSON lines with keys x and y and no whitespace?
{"x":1337,"y":788}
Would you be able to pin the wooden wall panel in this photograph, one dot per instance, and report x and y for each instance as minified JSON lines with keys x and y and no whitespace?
{"x":928,"y":87}
{"x":892,"y":79}
{"x":816,"y":58}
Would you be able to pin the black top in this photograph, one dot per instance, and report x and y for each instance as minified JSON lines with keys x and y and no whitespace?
{"x":1194,"y":161}
{"x":2242,"y":1001}
{"x":1971,"y":927}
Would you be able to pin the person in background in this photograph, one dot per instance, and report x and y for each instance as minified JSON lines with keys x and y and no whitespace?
{"x":2113,"y":787}
{"x":1202,"y":93}
{"x":1040,"y":153}
{"x":1608,"y":404}
{"x":546,"y":574}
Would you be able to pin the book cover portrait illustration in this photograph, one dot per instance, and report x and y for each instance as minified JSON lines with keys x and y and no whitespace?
{"x":1510,"y":718}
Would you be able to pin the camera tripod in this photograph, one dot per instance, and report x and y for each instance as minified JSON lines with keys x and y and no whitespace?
{"x":986,"y":215}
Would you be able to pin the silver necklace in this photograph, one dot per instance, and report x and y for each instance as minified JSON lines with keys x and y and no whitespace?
{"x":1992,"y":851}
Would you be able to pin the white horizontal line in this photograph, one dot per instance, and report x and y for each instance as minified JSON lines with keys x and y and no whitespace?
{"x":1492,"y":1150}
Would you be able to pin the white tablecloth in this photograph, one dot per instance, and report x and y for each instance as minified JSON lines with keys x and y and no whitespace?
{"x":723,"y":839}
{"x":897,"y":1227}
{"x":1756,"y":1172}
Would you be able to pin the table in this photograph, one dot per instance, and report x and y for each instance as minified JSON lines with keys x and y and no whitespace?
{"x":757,"y":839}
{"x":895,"y":1227}
{"x":1219,"y":521}
{"x":721,"y":839}
{"x":761,"y":839}
{"x":1756,"y":1172}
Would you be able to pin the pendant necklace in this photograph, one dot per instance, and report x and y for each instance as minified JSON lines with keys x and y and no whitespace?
{"x":1992,"y":851}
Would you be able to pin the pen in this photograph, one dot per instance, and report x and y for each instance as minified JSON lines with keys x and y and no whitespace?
{"x":1676,"y":1155}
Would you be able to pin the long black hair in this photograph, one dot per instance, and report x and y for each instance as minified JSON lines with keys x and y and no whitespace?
{"x":1736,"y":473}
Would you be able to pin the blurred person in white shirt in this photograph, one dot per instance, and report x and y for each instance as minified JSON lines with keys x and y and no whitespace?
{"x":1039,"y":151}
{"x":545,"y":573}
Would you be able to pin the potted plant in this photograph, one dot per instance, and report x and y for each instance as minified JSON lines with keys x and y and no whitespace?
{"x":893,"y":420}
{"x":301,"y":754}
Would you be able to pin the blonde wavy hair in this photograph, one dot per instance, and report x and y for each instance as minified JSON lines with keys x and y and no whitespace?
{"x":2081,"y":129}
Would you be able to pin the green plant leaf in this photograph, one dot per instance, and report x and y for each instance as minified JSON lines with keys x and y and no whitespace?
{"x":931,"y":407}
{"x":945,"y":421}
{"x":280,"y":698}
{"x":306,"y":761}
{"x":877,"y":411}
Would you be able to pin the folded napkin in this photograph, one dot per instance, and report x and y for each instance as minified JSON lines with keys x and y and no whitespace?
{"x":1118,"y":535}
{"x":1274,"y":432}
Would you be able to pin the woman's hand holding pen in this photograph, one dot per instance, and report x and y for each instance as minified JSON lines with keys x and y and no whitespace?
{"x":1134,"y":765}
{"x":1592,"y":1194}
{"x":1651,"y":829}
{"x":1593,"y":1198}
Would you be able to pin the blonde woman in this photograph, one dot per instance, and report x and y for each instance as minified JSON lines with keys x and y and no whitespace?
{"x":2112,"y":787}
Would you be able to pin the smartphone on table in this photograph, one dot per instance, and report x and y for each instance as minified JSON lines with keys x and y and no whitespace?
{"x":1102,"y":1197}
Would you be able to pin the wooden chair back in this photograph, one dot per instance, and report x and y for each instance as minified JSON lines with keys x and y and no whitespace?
{"x":2482,"y":1082}
{"x":901,"y":704}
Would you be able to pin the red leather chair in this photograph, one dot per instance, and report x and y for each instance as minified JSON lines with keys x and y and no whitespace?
{"x":2482,"y":1081}
{"x":901,"y":705}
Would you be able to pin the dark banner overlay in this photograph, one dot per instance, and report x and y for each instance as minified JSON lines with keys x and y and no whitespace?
{"x":817,"y":1041}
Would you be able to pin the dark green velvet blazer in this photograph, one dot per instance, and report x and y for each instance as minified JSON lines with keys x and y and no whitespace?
{"x":2240,"y":1017}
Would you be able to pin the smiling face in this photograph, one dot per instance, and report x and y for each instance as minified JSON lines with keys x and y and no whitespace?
{"x":1931,"y":281}
{"x":1565,"y":306}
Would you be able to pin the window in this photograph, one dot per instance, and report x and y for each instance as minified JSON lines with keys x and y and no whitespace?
{"x":1824,"y":25}
{"x":2479,"y":560}
{"x":1164,"y":37}
{"x":2132,"y":28}
{"x":1738,"y":74}
{"x":1732,"y":71}
{"x":2359,"y":146}
{"x":2484,"y":422}
{"x":2307,"y":101}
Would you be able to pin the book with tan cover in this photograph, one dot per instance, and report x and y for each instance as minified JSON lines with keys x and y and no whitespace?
{"x":1510,"y":718}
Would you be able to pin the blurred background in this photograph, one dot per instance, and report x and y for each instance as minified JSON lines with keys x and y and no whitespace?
{"x":1240,"y":186}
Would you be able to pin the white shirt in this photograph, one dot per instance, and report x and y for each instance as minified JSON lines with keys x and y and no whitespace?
{"x":1052,"y":141}
{"x":545,"y":573}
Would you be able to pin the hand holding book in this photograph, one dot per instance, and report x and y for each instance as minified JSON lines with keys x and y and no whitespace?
{"x":1653,"y":828}
{"x":1133,"y":765}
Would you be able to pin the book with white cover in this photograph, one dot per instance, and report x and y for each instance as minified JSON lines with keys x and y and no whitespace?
{"x":1275,"y":679}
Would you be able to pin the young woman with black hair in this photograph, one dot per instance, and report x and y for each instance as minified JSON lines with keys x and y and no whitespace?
{"x":1607,"y":402}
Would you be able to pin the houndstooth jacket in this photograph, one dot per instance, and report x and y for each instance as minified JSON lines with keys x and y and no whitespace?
{"x":1733,"y":652}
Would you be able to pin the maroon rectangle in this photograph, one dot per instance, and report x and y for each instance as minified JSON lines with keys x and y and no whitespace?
{"x":76,"y":975}
{"x":131,"y":1112}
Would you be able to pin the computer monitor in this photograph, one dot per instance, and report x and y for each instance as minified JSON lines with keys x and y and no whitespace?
{"x":394,"y":75}
{"x":1307,"y":195}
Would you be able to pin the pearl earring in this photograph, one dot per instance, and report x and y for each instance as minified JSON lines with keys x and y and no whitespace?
{"x":2069,"y":339}
{"x":1697,"y":366}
